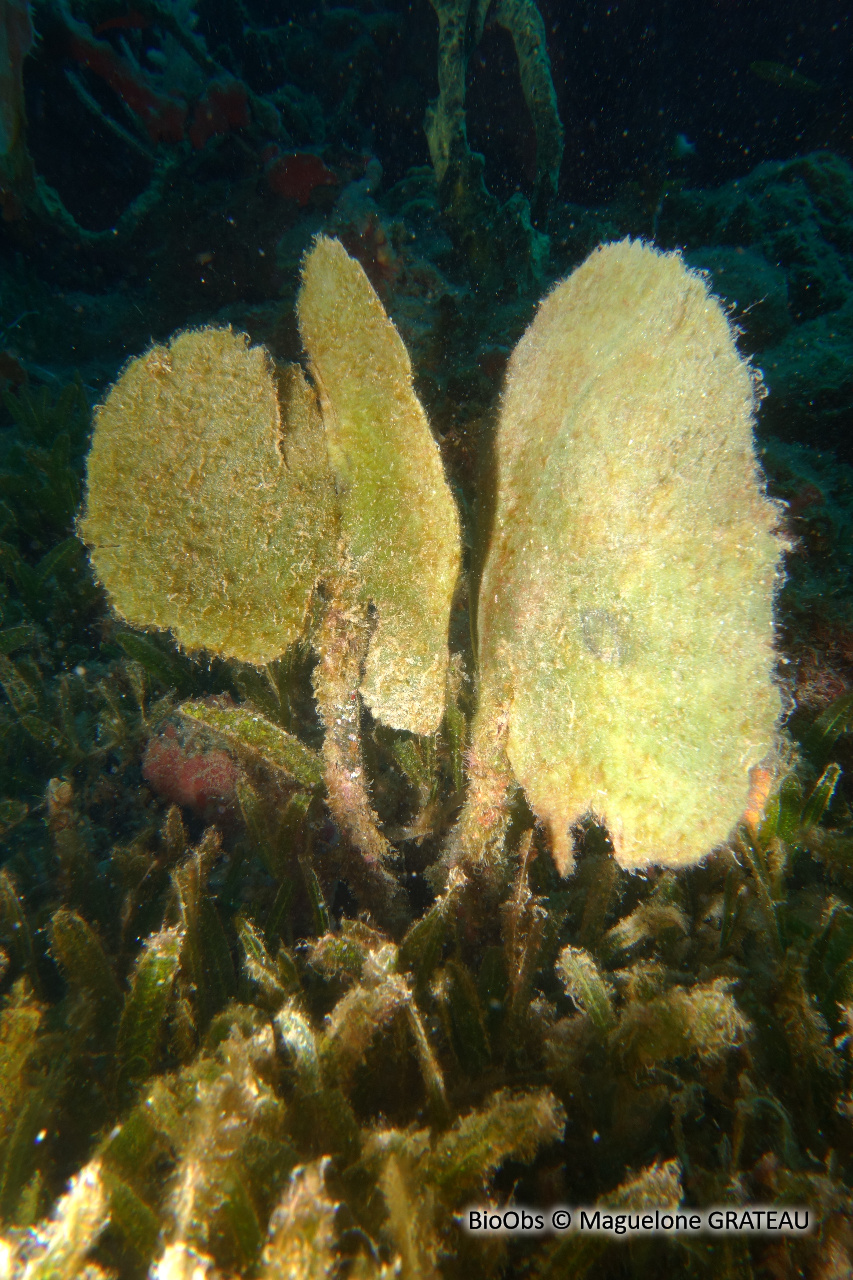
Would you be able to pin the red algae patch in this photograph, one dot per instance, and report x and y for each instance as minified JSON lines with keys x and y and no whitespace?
{"x":191,"y":774}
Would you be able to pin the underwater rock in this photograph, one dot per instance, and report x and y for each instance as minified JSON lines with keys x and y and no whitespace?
{"x":810,"y":378}
{"x":795,"y":215}
{"x":626,"y":606}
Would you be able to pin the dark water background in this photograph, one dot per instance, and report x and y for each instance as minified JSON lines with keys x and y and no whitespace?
{"x":628,"y":78}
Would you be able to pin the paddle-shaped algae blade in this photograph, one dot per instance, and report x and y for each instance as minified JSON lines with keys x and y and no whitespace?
{"x":398,"y":516}
{"x":626,"y":605}
{"x":210,"y":506}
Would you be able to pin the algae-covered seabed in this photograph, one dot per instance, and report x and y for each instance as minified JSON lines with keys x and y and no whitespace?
{"x":219,"y":1053}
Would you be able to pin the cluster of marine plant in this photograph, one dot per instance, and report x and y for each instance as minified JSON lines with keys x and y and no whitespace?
{"x":261,"y":1083}
{"x":299,"y":1039}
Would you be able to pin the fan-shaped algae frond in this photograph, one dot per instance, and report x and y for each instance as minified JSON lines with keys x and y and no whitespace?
{"x":218,"y":491}
{"x":210,"y":507}
{"x":397,"y":513}
{"x":626,"y":605}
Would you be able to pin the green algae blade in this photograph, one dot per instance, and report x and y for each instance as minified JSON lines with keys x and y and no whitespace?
{"x":509,"y":1127}
{"x":210,"y":507}
{"x":585,"y":983}
{"x":131,"y":1216}
{"x":296,"y":1038}
{"x":12,"y":638}
{"x":12,"y":813}
{"x":398,"y":517}
{"x":819,"y":800}
{"x":78,"y":1219}
{"x":15,"y":930}
{"x":625,"y":620}
{"x":85,"y":964}
{"x":421,"y":948}
{"x":205,"y":954}
{"x":257,"y":739}
{"x":144,"y":1014}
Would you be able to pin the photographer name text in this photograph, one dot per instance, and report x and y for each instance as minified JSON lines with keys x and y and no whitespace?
{"x":726,"y":1219}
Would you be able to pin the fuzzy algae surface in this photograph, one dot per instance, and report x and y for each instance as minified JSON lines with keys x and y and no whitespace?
{"x":210,"y":510}
{"x":244,"y":509}
{"x":626,"y":607}
{"x":398,"y":516}
{"x":218,"y":486}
